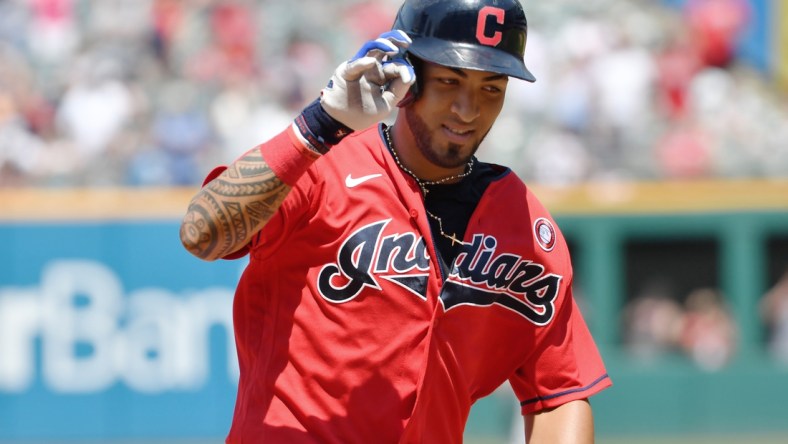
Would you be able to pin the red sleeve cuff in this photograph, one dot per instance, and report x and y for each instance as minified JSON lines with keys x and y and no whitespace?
{"x":287,"y":156}
{"x":556,"y":399}
{"x":214,"y":174}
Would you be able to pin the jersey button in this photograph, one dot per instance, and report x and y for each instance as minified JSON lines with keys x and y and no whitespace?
{"x":414,"y":214}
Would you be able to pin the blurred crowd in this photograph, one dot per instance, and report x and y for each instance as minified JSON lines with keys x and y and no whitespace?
{"x":699,"y":326}
{"x":774,"y":313}
{"x":155,"y":92}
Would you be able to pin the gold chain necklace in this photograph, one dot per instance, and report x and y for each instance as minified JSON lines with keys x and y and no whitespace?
{"x":423,"y":183}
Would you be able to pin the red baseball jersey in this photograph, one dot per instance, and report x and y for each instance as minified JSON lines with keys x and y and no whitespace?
{"x":348,"y":331}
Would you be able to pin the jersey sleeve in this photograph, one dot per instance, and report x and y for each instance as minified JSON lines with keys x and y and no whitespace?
{"x":299,"y":204}
{"x":565,"y":364}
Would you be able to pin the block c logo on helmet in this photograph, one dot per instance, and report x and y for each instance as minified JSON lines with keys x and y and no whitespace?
{"x":481,"y":25}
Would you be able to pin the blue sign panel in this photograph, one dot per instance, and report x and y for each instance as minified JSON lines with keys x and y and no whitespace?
{"x":112,"y":330}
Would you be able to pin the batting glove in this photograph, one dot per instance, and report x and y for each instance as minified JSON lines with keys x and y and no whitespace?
{"x":364,"y":90}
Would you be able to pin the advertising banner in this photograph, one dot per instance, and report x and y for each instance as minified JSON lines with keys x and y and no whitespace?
{"x":112,"y":330}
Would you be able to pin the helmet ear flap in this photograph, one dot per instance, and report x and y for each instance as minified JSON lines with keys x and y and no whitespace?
{"x":415,"y":90}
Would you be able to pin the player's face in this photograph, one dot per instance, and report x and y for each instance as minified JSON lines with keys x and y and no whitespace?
{"x":455,"y":111}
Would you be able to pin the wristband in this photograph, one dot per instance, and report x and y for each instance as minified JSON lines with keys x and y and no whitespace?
{"x":320,"y":129}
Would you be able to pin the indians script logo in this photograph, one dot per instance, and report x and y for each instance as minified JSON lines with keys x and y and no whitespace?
{"x":478,"y":278}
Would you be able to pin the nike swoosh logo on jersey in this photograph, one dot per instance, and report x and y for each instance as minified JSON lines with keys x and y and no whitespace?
{"x":352,"y":182}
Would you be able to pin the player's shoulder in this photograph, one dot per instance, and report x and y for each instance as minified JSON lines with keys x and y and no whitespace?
{"x":509,"y":187}
{"x":502,"y":178}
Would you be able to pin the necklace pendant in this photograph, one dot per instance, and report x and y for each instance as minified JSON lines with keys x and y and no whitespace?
{"x":454,"y":239}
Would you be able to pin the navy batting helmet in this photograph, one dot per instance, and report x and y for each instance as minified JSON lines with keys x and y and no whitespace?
{"x":486,"y":35}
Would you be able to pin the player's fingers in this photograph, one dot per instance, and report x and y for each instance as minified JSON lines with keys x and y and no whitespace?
{"x":376,"y":48}
{"x":398,"y":37}
{"x":399,"y":68}
{"x":368,"y":67}
{"x":376,"y":75}
{"x":399,"y":85}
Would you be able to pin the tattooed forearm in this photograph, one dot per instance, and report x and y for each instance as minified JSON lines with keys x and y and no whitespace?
{"x":229,"y":210}
{"x":198,"y":233}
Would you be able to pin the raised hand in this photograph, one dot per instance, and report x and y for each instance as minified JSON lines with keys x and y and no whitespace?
{"x":365,"y":89}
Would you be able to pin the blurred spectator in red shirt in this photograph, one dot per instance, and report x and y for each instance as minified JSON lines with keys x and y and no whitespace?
{"x":716,"y":26}
{"x":677,"y":64}
{"x":166,"y":17}
{"x":234,"y":31}
{"x":684,"y":151}
{"x":366,"y":20}
{"x":709,"y":333}
{"x":53,"y":31}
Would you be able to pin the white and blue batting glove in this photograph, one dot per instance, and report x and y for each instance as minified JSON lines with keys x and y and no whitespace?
{"x":366,"y":89}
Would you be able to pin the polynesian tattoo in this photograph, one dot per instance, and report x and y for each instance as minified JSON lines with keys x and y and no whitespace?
{"x":230,"y":209}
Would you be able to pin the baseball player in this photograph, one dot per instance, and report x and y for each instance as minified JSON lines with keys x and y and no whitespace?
{"x":394,"y":279}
